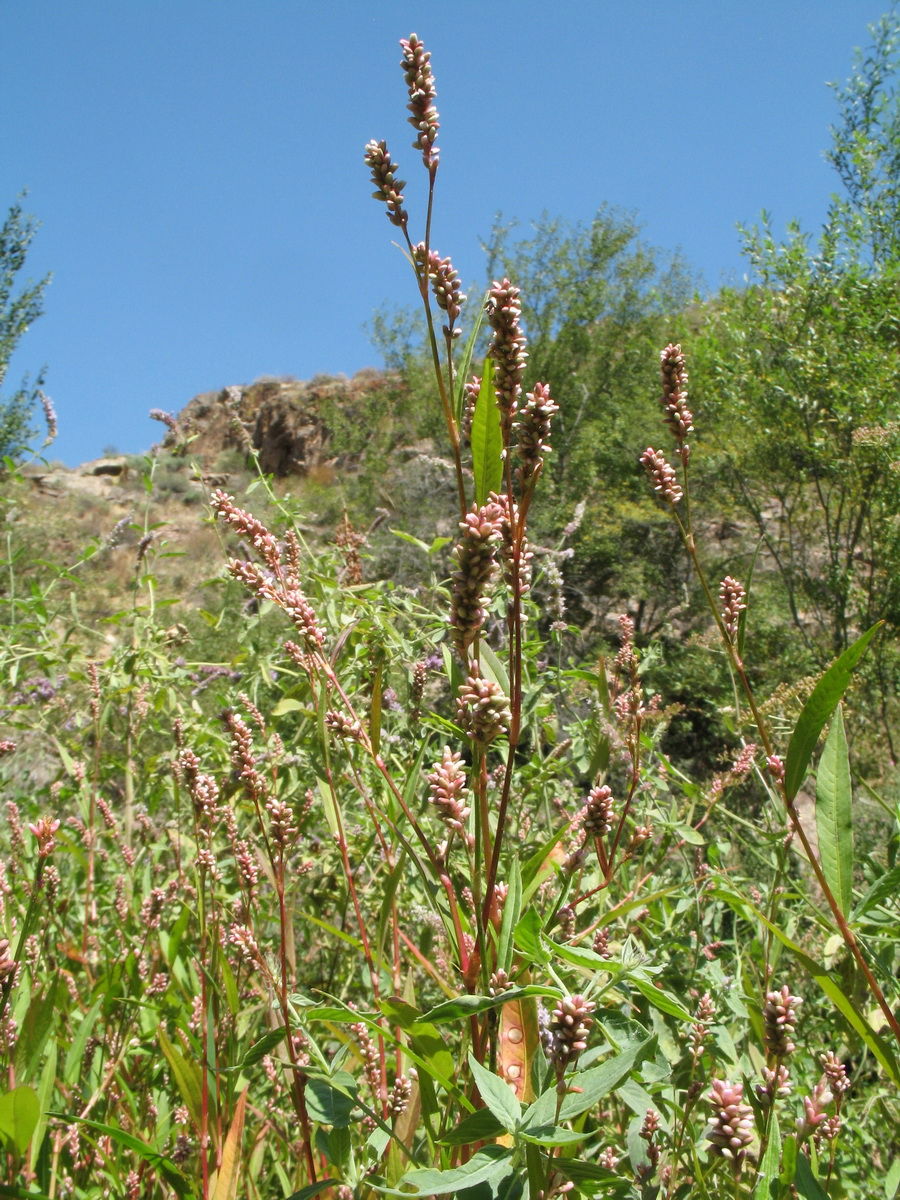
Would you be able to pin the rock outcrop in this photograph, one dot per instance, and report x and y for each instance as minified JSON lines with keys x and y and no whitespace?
{"x":289,"y":422}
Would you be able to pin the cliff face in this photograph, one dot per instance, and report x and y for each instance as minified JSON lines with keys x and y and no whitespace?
{"x":291,"y":423}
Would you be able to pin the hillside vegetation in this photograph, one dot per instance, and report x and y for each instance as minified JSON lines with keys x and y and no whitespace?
{"x":477,"y":778}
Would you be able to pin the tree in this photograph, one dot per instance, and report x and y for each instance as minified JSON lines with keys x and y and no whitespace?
{"x":799,"y":374}
{"x":17,"y":311}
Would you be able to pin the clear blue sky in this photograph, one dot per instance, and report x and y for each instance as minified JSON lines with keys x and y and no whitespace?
{"x":197,"y":166}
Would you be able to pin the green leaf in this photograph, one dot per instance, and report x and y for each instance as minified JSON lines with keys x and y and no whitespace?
{"x":462,"y":1007}
{"x":594,"y":1084}
{"x":492,"y":668}
{"x":806,"y":1183}
{"x":552,"y":1135}
{"x":72,"y":1068}
{"x":164,"y":1165}
{"x":35,"y":1032}
{"x":512,"y":910}
{"x":261,"y":1048}
{"x":886,"y":887}
{"x":818,"y":709}
{"x":327,"y":1105}
{"x":187,"y":1077}
{"x":313,"y":1189}
{"x":497,"y":1095}
{"x":487,"y":438}
{"x":491,"y":1163}
{"x":659,"y":999}
{"x":528,"y":937}
{"x":20,"y":1111}
{"x":287,"y":705}
{"x":478,"y":1126}
{"x":834,"y":815}
{"x":768,"y":1183}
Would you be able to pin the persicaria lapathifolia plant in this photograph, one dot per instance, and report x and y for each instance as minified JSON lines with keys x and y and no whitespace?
{"x":787,"y":774}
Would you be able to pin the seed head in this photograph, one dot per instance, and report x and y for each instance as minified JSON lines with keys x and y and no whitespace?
{"x":534,"y":434}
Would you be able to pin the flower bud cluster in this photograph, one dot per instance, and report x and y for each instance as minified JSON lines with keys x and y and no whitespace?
{"x":678,"y":416}
{"x":534,"y":434}
{"x":776,"y":1084}
{"x":416,"y":64}
{"x":447,"y":783}
{"x":343,"y":726}
{"x":570,"y":1025}
{"x":43,"y":830}
{"x":507,"y":350}
{"x":733,"y":598}
{"x":598,"y":812}
{"x":780,"y":1019}
{"x":482,"y":707}
{"x":279,"y":582}
{"x":471,"y":389}
{"x":49,"y":418}
{"x":835,"y":1073}
{"x":814,"y":1109}
{"x":731,"y":1129}
{"x":388,"y":188}
{"x":476,"y":564}
{"x":665,"y":481}
{"x":445,"y":284}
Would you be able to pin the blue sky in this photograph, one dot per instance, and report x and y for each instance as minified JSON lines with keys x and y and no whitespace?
{"x":197,"y":167}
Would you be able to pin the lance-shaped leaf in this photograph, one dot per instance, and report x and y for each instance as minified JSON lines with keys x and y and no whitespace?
{"x":487,"y":439}
{"x":834,"y":814}
{"x":818,"y":709}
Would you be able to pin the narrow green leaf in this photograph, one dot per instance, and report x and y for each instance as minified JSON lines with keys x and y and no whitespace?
{"x":497,"y":1095}
{"x":313,"y":1189}
{"x":462,"y":1007}
{"x":187,"y":1077}
{"x":659,"y":999}
{"x":834,"y":814}
{"x":20,"y":1111}
{"x":79,"y":1041}
{"x":264,"y":1046}
{"x":492,"y":668}
{"x":164,"y":1165}
{"x":512,"y":910}
{"x":45,"y":1095}
{"x":886,"y":887}
{"x":818,"y":709}
{"x":487,"y":438}
{"x":768,"y":1184}
{"x":528,"y":937}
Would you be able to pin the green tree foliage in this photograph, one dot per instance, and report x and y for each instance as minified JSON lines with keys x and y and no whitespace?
{"x":17,"y":311}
